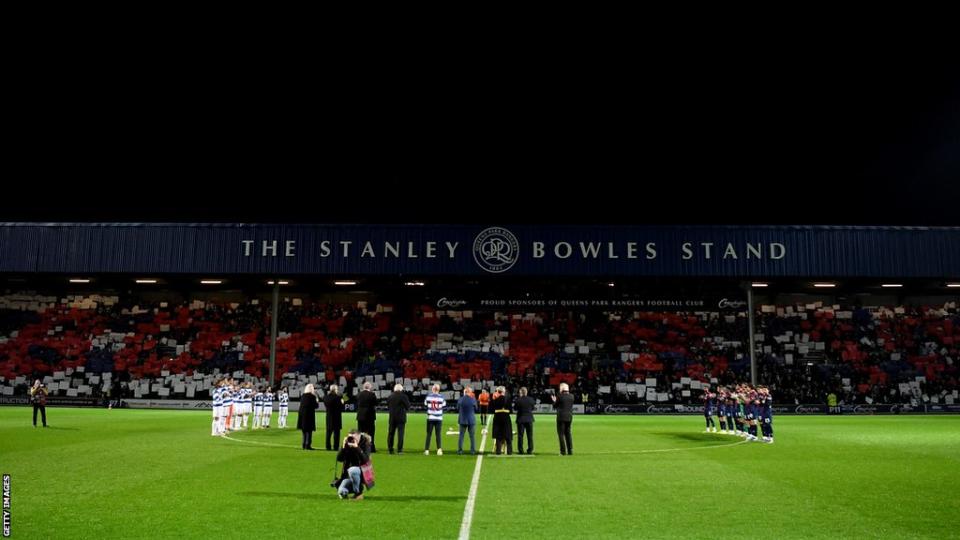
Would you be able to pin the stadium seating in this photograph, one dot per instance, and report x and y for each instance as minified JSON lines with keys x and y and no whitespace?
{"x":92,"y":345}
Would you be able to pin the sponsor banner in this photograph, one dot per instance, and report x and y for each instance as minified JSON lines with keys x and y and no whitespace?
{"x":158,"y":403}
{"x":644,"y":408}
{"x":729,"y":302}
{"x":777,"y":409}
{"x":628,"y":408}
{"x":451,"y":406}
{"x":939,"y":409}
{"x":808,"y":409}
{"x":55,"y":401}
{"x":189,"y":404}
{"x":894,"y":408}
{"x":194,"y":404}
{"x":625,"y":408}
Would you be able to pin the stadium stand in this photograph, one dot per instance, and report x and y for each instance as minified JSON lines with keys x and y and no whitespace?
{"x":101,"y":345}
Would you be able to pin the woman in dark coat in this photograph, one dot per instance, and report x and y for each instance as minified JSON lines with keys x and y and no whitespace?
{"x":307,"y":416}
{"x":334,"y":405}
{"x":502,"y":427}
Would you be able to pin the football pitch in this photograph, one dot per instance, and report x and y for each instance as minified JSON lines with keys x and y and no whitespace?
{"x":99,"y":473}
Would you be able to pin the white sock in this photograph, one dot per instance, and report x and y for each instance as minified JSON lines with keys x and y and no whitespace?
{"x":213,"y":428}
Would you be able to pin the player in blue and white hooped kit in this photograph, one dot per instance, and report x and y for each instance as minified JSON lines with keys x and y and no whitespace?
{"x":227,"y":401}
{"x":284,"y":400}
{"x":237,"y":407}
{"x":216,"y":397}
{"x":245,"y":392}
{"x":237,"y":420}
{"x":257,"y":408}
{"x":434,"y":404}
{"x":267,"y":407}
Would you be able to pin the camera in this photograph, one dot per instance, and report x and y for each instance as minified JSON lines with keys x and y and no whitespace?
{"x":351,"y":440}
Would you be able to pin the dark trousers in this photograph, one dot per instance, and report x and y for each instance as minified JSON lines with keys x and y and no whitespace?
{"x":528,"y":428}
{"x":431,"y":425}
{"x":395,"y":427}
{"x":335,"y":435}
{"x":43,"y":413}
{"x":498,"y":447}
{"x":471,"y":430}
{"x":370,"y":428}
{"x":566,"y":439}
{"x":307,"y":439}
{"x":483,"y":415}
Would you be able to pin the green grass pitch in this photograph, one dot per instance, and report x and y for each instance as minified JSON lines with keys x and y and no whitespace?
{"x":99,"y":473}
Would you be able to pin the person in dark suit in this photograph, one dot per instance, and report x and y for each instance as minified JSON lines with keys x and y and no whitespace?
{"x":398,"y":403}
{"x":38,"y":396}
{"x":307,"y":416}
{"x":502,"y":426}
{"x":564,"y":406}
{"x":333,"y":403}
{"x":367,"y":414}
{"x":525,"y":406}
{"x":467,"y":418}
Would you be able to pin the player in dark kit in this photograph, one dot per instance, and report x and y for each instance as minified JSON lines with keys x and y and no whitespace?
{"x":753,"y":408}
{"x":766,"y":414}
{"x":739,"y":416}
{"x":731,"y":402}
{"x":722,"y":409}
{"x":709,"y":406}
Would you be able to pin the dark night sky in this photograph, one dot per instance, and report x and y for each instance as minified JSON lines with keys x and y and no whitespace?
{"x":715,"y":136}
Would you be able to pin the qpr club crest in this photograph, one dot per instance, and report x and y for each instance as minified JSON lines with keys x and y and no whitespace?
{"x":496,"y":249}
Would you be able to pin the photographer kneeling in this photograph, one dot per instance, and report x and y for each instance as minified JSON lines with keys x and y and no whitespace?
{"x":353,"y":454}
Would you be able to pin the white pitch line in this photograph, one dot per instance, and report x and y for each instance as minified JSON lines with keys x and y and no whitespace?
{"x":472,"y":497}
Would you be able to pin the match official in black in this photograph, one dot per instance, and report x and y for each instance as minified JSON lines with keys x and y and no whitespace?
{"x":525,"y":406}
{"x":564,"y":406}
{"x":398,"y":404}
